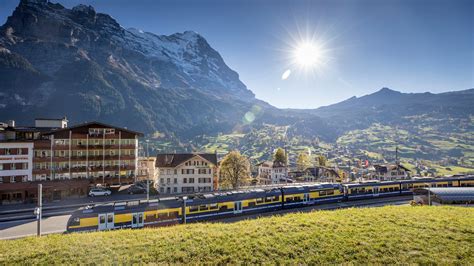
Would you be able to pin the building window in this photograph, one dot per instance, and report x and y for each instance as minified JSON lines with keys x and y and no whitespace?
{"x":175,"y":180}
{"x":175,"y":189}
{"x":191,"y":180}
{"x":185,"y":180}
{"x":175,"y":171}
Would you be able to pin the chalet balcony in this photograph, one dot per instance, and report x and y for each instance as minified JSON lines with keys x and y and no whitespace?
{"x":42,"y":144}
{"x":111,"y":168}
{"x":41,"y":171}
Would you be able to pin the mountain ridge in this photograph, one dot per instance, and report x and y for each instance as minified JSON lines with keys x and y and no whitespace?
{"x":56,"y":61}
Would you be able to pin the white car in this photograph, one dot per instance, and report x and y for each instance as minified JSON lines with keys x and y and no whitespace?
{"x":99,"y":192}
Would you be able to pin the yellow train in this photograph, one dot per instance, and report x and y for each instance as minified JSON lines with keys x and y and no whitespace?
{"x":202,"y":207}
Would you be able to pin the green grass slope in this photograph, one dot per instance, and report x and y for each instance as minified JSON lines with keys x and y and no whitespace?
{"x":376,"y":235}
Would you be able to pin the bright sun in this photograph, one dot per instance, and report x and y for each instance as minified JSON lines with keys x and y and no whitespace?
{"x":308,"y":54}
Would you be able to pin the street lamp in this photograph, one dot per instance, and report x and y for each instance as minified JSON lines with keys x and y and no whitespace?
{"x":185,"y":198}
{"x":429,"y":193}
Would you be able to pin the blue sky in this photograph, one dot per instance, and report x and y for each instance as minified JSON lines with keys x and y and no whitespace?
{"x":410,"y":46}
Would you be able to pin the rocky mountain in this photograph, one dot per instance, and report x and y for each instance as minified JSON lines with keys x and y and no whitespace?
{"x":56,"y":61}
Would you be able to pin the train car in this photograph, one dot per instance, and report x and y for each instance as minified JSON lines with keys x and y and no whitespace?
{"x":131,"y":214}
{"x":467,"y":181}
{"x":371,"y":189}
{"x":232,"y":203}
{"x":297,"y":196}
{"x":410,"y":185}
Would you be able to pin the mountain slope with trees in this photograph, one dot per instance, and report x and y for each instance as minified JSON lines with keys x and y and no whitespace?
{"x":177,"y":89}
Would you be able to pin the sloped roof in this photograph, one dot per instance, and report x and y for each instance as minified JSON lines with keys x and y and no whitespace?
{"x":383,"y":168}
{"x":265,"y":163}
{"x":175,"y":159}
{"x":277,"y":164}
{"x":453,"y":193}
{"x":94,"y":124}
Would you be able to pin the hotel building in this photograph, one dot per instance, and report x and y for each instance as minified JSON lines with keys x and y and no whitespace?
{"x":66,"y":160}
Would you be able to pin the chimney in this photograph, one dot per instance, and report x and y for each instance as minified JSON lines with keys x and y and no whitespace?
{"x":11,"y":123}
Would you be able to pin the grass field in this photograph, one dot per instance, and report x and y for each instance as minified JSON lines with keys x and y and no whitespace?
{"x":402,"y":234}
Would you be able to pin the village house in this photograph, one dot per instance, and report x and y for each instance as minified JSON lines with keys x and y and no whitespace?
{"x":272,"y":173}
{"x":147,"y":170}
{"x":186,"y":172}
{"x":389,"y":172}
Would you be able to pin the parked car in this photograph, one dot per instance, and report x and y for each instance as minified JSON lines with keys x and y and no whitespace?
{"x":99,"y":192}
{"x":134,"y":189}
{"x":141,"y":184}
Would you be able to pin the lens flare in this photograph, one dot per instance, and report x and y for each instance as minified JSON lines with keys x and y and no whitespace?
{"x":286,"y":74}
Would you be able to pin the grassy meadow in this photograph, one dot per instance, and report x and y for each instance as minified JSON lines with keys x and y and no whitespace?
{"x":395,"y":234}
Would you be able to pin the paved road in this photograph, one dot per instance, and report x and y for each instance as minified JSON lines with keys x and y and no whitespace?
{"x":57,"y":224}
{"x":25,"y":211}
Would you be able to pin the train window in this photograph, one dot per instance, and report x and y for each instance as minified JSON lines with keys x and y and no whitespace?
{"x":322,"y":193}
{"x":193,"y":208}
{"x":276,"y":198}
{"x":260,"y":200}
{"x":203,"y":208}
{"x":173,"y":214}
{"x":268,"y":199}
{"x":330,"y":192}
{"x":213,"y":206}
{"x":223,"y":208}
{"x":110,"y":218}
{"x":297,"y":199}
{"x":162,"y":215}
{"x":289,"y":199}
{"x":252,"y":204}
{"x":102,"y":219}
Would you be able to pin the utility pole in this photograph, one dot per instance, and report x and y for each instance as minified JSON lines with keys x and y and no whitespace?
{"x":38,"y":210}
{"x":429,"y":194}
{"x":185,"y":198}
{"x":147,"y":173}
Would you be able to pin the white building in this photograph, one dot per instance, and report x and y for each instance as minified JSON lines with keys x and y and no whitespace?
{"x":146,"y":169}
{"x":186,"y":173}
{"x":16,"y":161}
{"x":272,"y":173}
{"x":51,"y":122}
{"x":391,"y":172}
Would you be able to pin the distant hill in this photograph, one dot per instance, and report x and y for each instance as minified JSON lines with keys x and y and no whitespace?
{"x":389,"y":106}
